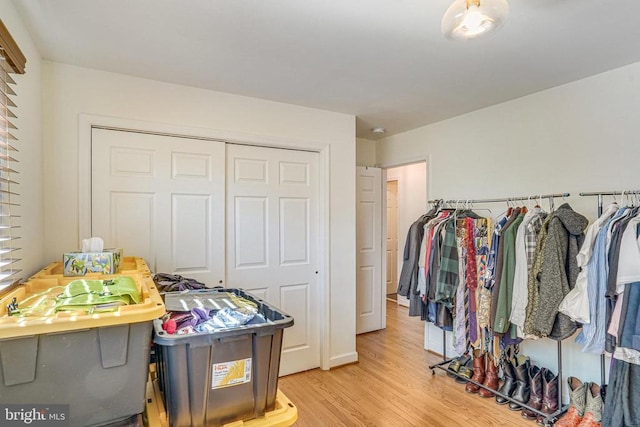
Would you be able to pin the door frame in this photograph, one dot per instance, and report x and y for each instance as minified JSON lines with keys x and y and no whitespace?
{"x":86,"y":122}
{"x":385,"y":166}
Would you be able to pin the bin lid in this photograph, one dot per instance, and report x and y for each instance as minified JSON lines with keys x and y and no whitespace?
{"x":149,"y":307}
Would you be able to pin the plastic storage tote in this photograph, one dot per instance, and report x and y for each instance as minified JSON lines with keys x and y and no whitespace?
{"x":128,"y":266}
{"x":97,"y":363}
{"x":284,"y":414}
{"x":209,"y":379}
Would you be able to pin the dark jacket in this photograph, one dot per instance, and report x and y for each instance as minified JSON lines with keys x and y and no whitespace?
{"x":408,"y":281}
{"x":565,"y":235}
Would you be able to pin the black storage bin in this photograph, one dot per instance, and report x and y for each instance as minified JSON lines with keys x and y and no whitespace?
{"x":190,"y":367}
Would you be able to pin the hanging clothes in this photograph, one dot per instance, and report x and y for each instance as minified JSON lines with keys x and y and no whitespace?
{"x":622,"y":406}
{"x":500,"y":265}
{"x":592,"y":337}
{"x":448,"y":276}
{"x":526,"y":240}
{"x":565,"y":235}
{"x":408,"y":281}
{"x":504,"y":299}
{"x":533,"y":283}
{"x":431,"y":310}
{"x":576,"y":303}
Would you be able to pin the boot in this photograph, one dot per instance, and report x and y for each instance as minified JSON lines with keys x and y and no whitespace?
{"x":535,"y":398}
{"x":491,"y":379}
{"x":593,"y":407}
{"x":549,"y":396}
{"x":577,"y":402}
{"x":478,"y":374}
{"x":523,"y":388}
{"x":509,"y":384}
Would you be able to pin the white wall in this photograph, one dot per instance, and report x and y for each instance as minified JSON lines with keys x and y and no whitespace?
{"x":70,"y":91}
{"x":365,"y":152}
{"x":29,"y":134}
{"x":582,"y":136}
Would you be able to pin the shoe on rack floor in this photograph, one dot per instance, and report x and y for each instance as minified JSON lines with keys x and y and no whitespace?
{"x":491,"y":378}
{"x":535,"y":397}
{"x":593,"y":407}
{"x":465,"y":373}
{"x":577,"y":402}
{"x":455,"y":364}
{"x":509,"y":384}
{"x":479,"y":363}
{"x":549,"y":396}
{"x":523,"y":387}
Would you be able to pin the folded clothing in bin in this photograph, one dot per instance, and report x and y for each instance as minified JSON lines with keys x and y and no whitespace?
{"x":224,"y":376}
{"x":86,"y":295}
{"x":208,"y":312}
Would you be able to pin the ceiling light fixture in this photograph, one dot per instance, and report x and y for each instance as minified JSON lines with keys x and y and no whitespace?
{"x":469,"y":19}
{"x":378,"y":131}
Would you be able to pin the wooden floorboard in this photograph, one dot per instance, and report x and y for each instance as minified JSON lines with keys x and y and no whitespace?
{"x":391,"y":385}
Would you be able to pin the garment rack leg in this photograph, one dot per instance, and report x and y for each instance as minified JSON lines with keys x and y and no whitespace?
{"x":603,"y":371}
{"x":560,"y":382}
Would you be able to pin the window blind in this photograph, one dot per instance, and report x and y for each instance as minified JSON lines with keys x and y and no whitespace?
{"x":11,"y":61}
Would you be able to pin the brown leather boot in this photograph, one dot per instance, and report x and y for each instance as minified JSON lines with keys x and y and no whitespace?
{"x":491,"y":378}
{"x":478,"y":374}
{"x":535,"y":398}
{"x":549,"y":395}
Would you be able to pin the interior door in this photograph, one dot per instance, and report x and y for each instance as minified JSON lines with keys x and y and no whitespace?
{"x":392,"y":237}
{"x":161,"y":198}
{"x":272,"y":235}
{"x":369,"y":307}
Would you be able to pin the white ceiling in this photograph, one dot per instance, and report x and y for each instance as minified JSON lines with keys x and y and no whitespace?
{"x":384,"y":61}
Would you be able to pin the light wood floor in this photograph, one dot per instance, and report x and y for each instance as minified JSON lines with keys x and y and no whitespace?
{"x":391,"y":385}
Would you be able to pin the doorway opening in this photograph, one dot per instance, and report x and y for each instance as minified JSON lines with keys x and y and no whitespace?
{"x":392,"y":240}
{"x":406,"y":189}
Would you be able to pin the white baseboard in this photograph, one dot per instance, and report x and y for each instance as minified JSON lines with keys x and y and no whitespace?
{"x":343,"y":359}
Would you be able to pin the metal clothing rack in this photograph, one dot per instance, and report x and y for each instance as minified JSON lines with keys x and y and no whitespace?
{"x":549,"y":418}
{"x":600,"y":195}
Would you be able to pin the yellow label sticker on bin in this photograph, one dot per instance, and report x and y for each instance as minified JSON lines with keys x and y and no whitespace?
{"x":227,"y":374}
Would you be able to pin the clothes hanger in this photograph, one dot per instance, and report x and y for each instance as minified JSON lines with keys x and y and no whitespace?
{"x":524,"y":209}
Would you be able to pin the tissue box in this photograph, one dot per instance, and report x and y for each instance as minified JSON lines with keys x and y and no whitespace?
{"x":81,"y":263}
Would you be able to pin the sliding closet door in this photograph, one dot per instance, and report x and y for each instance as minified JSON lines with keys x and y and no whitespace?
{"x":272,"y":235}
{"x":161,"y":198}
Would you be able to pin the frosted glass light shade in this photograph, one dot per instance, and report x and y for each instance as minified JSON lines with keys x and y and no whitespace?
{"x":469,"y":19}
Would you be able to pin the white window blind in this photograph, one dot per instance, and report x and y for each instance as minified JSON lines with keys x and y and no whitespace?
{"x":11,"y":61}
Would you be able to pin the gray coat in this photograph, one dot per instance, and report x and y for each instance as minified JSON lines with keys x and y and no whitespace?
{"x":565,"y":235}
{"x":408,"y":281}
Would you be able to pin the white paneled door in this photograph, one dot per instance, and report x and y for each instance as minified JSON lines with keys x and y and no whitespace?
{"x":369,"y":307}
{"x":161,"y":198}
{"x":272,"y":235}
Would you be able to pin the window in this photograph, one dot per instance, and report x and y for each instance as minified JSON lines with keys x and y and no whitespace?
{"x":12,"y":61}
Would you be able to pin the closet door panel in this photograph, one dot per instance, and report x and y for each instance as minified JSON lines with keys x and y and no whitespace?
{"x":272,"y":223}
{"x":161,"y":198}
